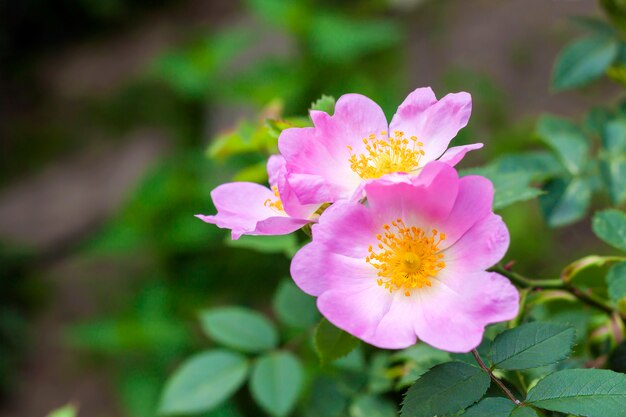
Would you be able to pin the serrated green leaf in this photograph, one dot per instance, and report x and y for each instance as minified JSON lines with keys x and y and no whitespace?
{"x":445,"y":389}
{"x":531,"y":345}
{"x":66,"y":411}
{"x":293,"y":307}
{"x":583,"y":61}
{"x":332,"y":343}
{"x":586,"y":392}
{"x":276,"y":382}
{"x":616,"y":280}
{"x":325,"y":104}
{"x":203,"y":382}
{"x":239,"y":328}
{"x":610,"y":226}
{"x":524,"y":412}
{"x":491,"y":407}
{"x":366,"y":405}
{"x":566,"y":140}
{"x":613,"y":159}
{"x":565,"y":202}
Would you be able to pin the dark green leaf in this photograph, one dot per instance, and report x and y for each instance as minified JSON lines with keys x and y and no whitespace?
{"x":203,"y":381}
{"x":491,"y":407}
{"x":524,"y":412}
{"x":332,"y":343}
{"x":372,"y":406}
{"x":616,"y":280}
{"x":586,"y":392}
{"x":276,"y":382}
{"x":583,"y":61}
{"x":325,"y":104}
{"x":531,"y":345}
{"x":445,"y":389}
{"x":239,"y":328}
{"x":566,"y":140}
{"x":613,"y":159}
{"x":328,"y":398}
{"x":293,"y":307}
{"x":565,"y":202}
{"x":610,"y":226}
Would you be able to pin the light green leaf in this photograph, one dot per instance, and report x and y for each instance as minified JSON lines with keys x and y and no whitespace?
{"x":276,"y":382}
{"x":566,"y":140}
{"x":372,"y":406}
{"x":583,"y":61}
{"x":293,"y":307}
{"x":616,"y":280}
{"x":570,"y":271}
{"x":285,"y":244}
{"x":564,"y":203}
{"x":325,"y":104}
{"x":332,"y":343}
{"x":531,"y":345}
{"x":524,"y":412}
{"x":491,"y":407}
{"x":610,"y":226}
{"x":445,"y":389}
{"x":613,"y":159}
{"x":239,"y":328}
{"x":585,"y":392}
{"x":66,"y":411}
{"x":203,"y":382}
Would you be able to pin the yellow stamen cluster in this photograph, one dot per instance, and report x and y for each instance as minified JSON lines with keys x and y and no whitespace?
{"x":406,"y":257}
{"x":277,"y":204}
{"x":386,"y":155}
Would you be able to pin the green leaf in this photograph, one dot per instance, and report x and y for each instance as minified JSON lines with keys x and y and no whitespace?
{"x":616,"y":280}
{"x":531,"y":345}
{"x":613,"y":159}
{"x":66,"y":411}
{"x":276,"y":382}
{"x":293,"y":307}
{"x":594,"y":24}
{"x":203,"y":382}
{"x":372,"y":406}
{"x":610,"y":226}
{"x":524,"y":412}
{"x":566,"y":140}
{"x":510,"y":187}
{"x":325,"y":104}
{"x":491,"y":407}
{"x":239,"y":328}
{"x":445,"y":389}
{"x":328,"y":398}
{"x":583,"y":61}
{"x":332,"y":343}
{"x":587,"y":392}
{"x":565,"y":202}
{"x":570,"y":271}
{"x":285,"y":244}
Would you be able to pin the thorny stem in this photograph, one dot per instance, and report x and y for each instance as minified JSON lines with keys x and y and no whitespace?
{"x":586,"y":298}
{"x":503,"y":387}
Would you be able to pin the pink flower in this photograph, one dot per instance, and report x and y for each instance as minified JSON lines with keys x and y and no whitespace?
{"x":251,"y":209}
{"x":410,"y":264}
{"x":335,"y":158}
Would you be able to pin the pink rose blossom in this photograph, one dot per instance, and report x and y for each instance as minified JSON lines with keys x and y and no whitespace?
{"x":334,"y":159}
{"x":251,"y":209}
{"x":411,"y":263}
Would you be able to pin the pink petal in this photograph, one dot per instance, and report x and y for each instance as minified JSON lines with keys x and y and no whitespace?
{"x":276,"y":167}
{"x":454,"y":155}
{"x":409,"y":116}
{"x":481,"y":247}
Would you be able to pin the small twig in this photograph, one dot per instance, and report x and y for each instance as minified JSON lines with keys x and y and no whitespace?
{"x":503,"y":387}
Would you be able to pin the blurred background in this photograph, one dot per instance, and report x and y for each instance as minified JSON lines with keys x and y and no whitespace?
{"x":107,"y":108}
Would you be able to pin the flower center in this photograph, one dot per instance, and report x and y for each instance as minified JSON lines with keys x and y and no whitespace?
{"x":407,"y":258}
{"x":276,"y":204}
{"x":386,"y":155}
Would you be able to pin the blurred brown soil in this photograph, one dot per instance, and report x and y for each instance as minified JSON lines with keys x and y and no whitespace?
{"x":514,"y":41}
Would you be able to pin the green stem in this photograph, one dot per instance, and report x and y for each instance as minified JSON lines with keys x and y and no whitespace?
{"x":495,"y":379}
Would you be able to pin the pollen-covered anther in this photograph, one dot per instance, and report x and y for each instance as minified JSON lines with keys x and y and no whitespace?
{"x":387,"y":154}
{"x":276,"y":204}
{"x":408,"y":257}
